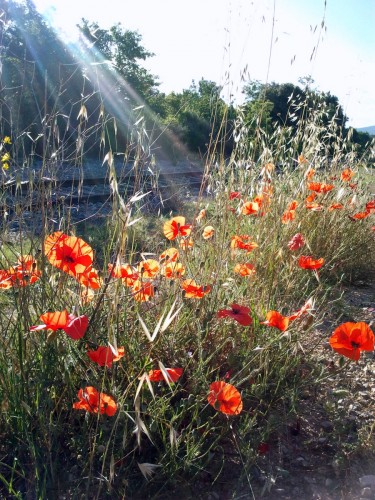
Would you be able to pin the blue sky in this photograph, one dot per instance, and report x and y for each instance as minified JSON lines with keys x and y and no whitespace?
{"x":231,"y":40}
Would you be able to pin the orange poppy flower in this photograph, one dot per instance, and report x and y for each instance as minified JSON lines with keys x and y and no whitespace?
{"x":186,"y":243}
{"x":243,"y":242}
{"x":170,"y":255}
{"x":347,"y":174}
{"x":194,"y":291}
{"x":296,"y":242}
{"x":208,"y":232}
{"x":250,"y":208}
{"x":238,"y":313}
{"x":24,"y":273}
{"x":336,"y":206}
{"x":349,"y":339}
{"x":94,"y":401}
{"x":68,"y":253}
{"x":105,"y":356}
{"x":173,"y":270}
{"x":5,"y":279}
{"x":173,"y":374}
{"x":288,"y":216}
{"x":52,"y":321}
{"x":244,"y":269}
{"x":126,"y":272}
{"x":307,"y":262}
{"x":90,"y":279}
{"x":225,"y":398}
{"x":143,"y":291}
{"x":148,"y":268}
{"x":176,"y":227}
{"x":301,"y":160}
{"x":310,"y":198}
{"x":320,"y":187}
{"x":276,"y":320}
{"x":359,"y":216}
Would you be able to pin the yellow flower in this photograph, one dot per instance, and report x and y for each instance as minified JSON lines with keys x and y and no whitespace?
{"x":5,"y":166}
{"x":5,"y":157}
{"x":7,"y":140}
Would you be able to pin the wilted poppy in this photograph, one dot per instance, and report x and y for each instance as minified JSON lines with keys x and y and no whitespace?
{"x":225,"y":398}
{"x":244,"y":269}
{"x":194,"y":291}
{"x":186,"y":243}
{"x":105,"y":356}
{"x":310,"y":174}
{"x":276,"y":320}
{"x":243,"y":242}
{"x":308,"y":262}
{"x":201,"y":215}
{"x":238,"y":313}
{"x":320,"y":187}
{"x":308,"y":306}
{"x":68,"y":253}
{"x":173,"y":375}
{"x":347,"y":174}
{"x":143,"y":291}
{"x":250,"y":208}
{"x":176,"y":227}
{"x":94,"y":401}
{"x":208,"y":232}
{"x":315,"y":207}
{"x":148,"y":268}
{"x":349,"y":339}
{"x":296,"y":242}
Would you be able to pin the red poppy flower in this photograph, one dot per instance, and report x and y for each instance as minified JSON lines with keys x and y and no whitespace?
{"x":310,"y":198}
{"x":320,"y":187}
{"x":233,"y":195}
{"x":347,"y":174}
{"x":225,"y":398}
{"x":176,"y":227}
{"x":250,"y":208}
{"x":23,"y":274}
{"x":276,"y":320}
{"x":370,"y":206}
{"x":5,"y":279}
{"x":105,"y":356}
{"x":307,"y":262}
{"x":90,"y":279}
{"x":194,"y":291}
{"x":238,"y":313}
{"x":244,"y":269}
{"x":243,"y":242}
{"x":76,"y":326}
{"x":94,"y":401}
{"x":288,"y":216}
{"x":126,"y":272}
{"x":173,"y":374}
{"x":296,"y":242}
{"x":68,"y":253}
{"x":349,"y":339}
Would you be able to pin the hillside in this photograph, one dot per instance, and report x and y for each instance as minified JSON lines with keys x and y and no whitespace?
{"x":370,"y":130}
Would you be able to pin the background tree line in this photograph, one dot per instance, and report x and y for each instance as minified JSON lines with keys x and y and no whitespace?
{"x":58,"y":98}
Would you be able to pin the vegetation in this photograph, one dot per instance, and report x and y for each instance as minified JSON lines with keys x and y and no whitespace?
{"x":170,"y":348}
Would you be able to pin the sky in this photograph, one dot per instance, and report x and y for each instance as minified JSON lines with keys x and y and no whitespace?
{"x":233,"y":41}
